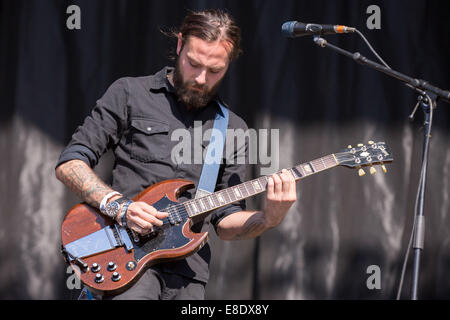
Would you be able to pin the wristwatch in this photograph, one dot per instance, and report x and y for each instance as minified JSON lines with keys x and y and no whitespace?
{"x":112,"y":207}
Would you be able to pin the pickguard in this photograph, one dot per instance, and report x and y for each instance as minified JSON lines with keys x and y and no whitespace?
{"x":166,"y":237}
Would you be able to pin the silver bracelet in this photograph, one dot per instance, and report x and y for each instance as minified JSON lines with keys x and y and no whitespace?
{"x":123,"y":213}
{"x":105,"y":200}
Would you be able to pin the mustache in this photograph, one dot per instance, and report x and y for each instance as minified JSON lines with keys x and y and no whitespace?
{"x":200,"y":87}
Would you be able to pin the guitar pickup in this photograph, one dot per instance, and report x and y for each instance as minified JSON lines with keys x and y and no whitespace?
{"x":174,"y":218}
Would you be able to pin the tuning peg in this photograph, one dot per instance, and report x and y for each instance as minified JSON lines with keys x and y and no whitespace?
{"x":384,"y":168}
{"x":349,"y":146}
{"x":361,"y":172}
{"x":370,"y":142}
{"x":373,"y":170}
{"x":360,"y":144}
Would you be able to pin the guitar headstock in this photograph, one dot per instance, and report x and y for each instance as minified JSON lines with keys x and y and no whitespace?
{"x":363,"y":155}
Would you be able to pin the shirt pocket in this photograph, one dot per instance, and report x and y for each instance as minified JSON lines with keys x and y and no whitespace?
{"x":149,"y":140}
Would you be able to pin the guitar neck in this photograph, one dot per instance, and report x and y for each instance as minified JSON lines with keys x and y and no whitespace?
{"x":253,"y":187}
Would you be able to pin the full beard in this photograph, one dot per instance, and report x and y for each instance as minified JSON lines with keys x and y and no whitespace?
{"x":191,"y":94}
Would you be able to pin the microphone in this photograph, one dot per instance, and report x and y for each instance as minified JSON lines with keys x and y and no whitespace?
{"x":293,"y":29}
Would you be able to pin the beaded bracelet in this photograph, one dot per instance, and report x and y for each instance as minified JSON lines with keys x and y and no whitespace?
{"x":123,"y":213}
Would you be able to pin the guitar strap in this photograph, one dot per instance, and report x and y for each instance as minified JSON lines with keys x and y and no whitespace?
{"x":214,"y":152}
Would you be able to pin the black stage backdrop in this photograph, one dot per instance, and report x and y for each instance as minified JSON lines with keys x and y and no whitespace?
{"x":50,"y":78}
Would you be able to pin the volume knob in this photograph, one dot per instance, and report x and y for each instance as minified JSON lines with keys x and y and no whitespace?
{"x":99,"y":278}
{"x":111,"y":266}
{"x":95,"y":267}
{"x":116,"y":276}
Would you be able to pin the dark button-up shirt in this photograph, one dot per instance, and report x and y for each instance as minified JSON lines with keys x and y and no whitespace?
{"x":142,"y":121}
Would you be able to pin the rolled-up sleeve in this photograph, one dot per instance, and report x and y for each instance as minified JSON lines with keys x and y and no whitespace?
{"x":102,"y":129}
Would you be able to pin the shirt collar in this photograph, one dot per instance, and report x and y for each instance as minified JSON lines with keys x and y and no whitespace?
{"x":160,"y":81}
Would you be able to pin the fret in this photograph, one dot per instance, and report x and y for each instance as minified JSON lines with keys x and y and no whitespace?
{"x":297,"y":174}
{"x":215,"y":200}
{"x":244,"y":190}
{"x":264,"y":184}
{"x":206,"y":203}
{"x":210,"y":201}
{"x":250,"y":187}
{"x":228,"y":196}
{"x":256,"y":185}
{"x":323,"y":162}
{"x":293,"y":173}
{"x":202,"y":205}
{"x":314,"y":165}
{"x":335,"y":160}
{"x":220,"y":198}
{"x":246,"y":187}
{"x":188,"y":210}
{"x":318,"y":165}
{"x":329,"y":162}
{"x":194,"y":208}
{"x":307,"y":169}
{"x":237,"y":192}
{"x":300,"y":169}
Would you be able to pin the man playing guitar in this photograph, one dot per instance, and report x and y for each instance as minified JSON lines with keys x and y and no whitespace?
{"x":135,"y":118}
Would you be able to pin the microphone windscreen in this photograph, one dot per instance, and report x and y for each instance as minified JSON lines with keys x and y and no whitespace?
{"x":287,"y":29}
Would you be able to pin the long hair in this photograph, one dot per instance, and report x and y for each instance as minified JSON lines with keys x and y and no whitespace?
{"x":210,"y":25}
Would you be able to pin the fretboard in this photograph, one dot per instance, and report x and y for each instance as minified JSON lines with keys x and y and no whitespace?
{"x":253,"y":187}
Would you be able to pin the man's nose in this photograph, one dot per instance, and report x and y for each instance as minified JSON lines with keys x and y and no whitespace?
{"x":201,"y":78}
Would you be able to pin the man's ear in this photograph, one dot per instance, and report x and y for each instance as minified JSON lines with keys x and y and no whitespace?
{"x":179,"y":43}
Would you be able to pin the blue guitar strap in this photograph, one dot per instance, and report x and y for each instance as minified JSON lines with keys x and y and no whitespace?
{"x":211,"y":165}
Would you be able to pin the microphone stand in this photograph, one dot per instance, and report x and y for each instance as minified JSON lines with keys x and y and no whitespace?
{"x":428,"y":97}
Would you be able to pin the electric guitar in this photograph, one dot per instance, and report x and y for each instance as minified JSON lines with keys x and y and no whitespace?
{"x":108,"y":258}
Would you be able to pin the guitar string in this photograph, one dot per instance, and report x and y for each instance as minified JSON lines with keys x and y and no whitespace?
{"x":181,"y":211}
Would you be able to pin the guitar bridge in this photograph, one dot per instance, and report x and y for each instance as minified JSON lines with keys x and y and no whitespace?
{"x":102,"y":240}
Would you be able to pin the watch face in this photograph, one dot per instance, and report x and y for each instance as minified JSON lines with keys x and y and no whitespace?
{"x":112,"y":209}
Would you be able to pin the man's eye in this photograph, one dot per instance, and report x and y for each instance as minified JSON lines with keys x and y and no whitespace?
{"x":214,"y":71}
{"x":194,"y":65}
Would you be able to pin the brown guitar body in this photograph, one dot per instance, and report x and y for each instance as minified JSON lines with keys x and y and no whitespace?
{"x":175,"y":242}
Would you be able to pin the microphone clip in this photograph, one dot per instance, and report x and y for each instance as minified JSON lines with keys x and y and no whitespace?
{"x":321,"y":42}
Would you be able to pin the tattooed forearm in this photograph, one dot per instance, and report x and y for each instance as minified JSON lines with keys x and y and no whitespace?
{"x":83,"y":181}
